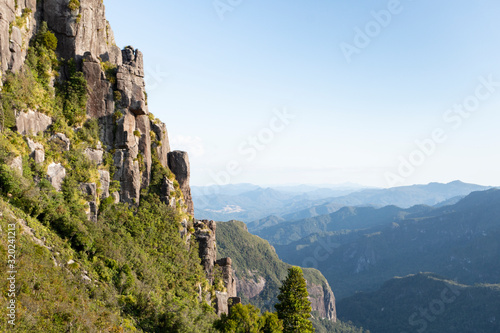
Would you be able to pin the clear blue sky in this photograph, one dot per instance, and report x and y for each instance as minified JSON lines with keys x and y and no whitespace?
{"x":216,"y":83}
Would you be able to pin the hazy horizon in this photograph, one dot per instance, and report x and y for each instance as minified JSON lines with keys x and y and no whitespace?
{"x":336,"y":185}
{"x":385,"y":93}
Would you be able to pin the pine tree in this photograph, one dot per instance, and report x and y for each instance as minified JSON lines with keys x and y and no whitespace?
{"x":294,"y":308}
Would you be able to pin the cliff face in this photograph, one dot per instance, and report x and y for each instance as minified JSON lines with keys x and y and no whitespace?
{"x":115,"y":86}
{"x":216,"y":269}
{"x":259,"y":272}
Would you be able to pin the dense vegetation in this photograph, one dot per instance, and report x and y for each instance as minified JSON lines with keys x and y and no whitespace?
{"x":140,"y":267}
{"x":425,"y":302}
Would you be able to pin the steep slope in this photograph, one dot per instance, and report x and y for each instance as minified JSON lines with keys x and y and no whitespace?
{"x":101,"y":207}
{"x":425,"y":302}
{"x":458,"y":242}
{"x":259,"y":271}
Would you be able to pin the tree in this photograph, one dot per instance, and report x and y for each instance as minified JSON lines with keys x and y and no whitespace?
{"x":270,"y":323}
{"x":294,"y":308}
{"x":246,"y":319}
{"x":241,"y":319}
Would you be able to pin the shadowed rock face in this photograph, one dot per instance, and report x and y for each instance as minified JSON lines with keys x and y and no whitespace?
{"x":178,"y":163}
{"x":205,"y":235}
{"x":322,"y":301}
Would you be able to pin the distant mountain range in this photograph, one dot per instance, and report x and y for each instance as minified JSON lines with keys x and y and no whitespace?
{"x":247,"y":202}
{"x":458,"y":241}
{"x":260,"y":206}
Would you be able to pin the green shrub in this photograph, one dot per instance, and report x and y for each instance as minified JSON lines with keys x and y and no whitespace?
{"x":74,"y":4}
{"x":89,"y":132}
{"x":50,"y":41}
{"x":74,"y":94}
{"x":109,"y":70}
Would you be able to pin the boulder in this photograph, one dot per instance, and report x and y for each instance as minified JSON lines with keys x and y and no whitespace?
{"x":95,"y":155}
{"x":56,"y":174}
{"x":116,"y":197}
{"x":32,"y":122}
{"x":178,"y":163}
{"x":37,"y":151}
{"x":61,"y":140}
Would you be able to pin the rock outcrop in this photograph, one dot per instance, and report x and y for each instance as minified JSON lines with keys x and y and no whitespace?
{"x":95,"y":155}
{"x":56,"y":174}
{"x":90,"y":192}
{"x":249,"y":287}
{"x":32,"y":122}
{"x":105,"y":182}
{"x":205,"y":235}
{"x":178,"y":162}
{"x":131,"y":139}
{"x":115,"y":85}
{"x":13,"y":45}
{"x":161,"y":142}
{"x":225,"y":265}
{"x":37,"y":151}
{"x":81,"y":30}
{"x":322,"y":301}
{"x":61,"y":140}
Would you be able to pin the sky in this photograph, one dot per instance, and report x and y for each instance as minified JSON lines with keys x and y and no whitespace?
{"x":379,"y":93}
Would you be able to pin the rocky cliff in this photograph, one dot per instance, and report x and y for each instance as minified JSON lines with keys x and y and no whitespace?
{"x":258,"y":271}
{"x":115,"y":88}
{"x":132,"y":145}
{"x":217,"y":271}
